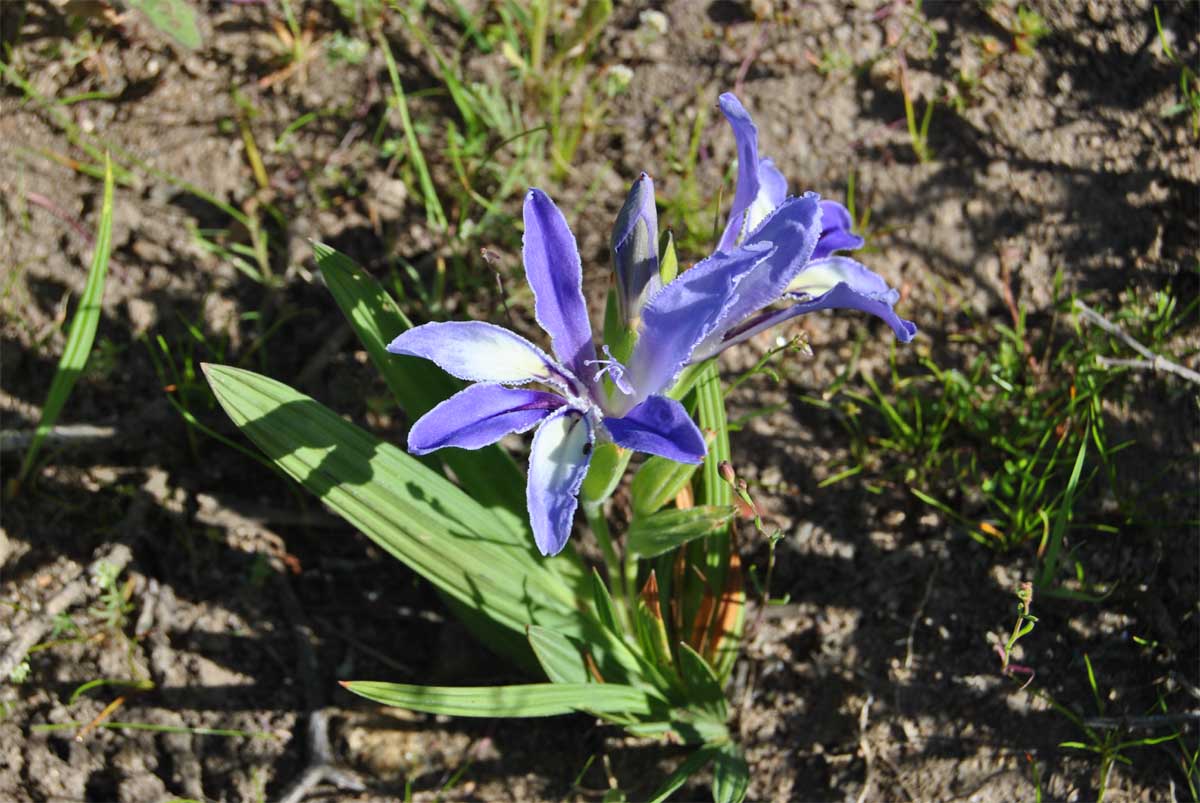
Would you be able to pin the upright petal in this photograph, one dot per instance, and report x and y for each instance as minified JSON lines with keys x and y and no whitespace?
{"x":556,"y":276}
{"x":558,"y":462}
{"x":745,"y":135}
{"x":772,"y":191}
{"x":659,"y":426}
{"x":479,"y":416}
{"x":792,"y":230}
{"x":635,"y":249}
{"x":480,"y":352}
{"x":684,"y":313}
{"x":836,"y":234}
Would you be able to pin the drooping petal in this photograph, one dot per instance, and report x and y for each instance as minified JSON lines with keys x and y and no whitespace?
{"x":745,"y":135}
{"x":859,"y":288}
{"x":479,"y":416}
{"x":836,"y":234}
{"x":659,"y":426}
{"x":634,"y":245}
{"x":772,"y":191}
{"x":556,"y":276}
{"x":821,"y":275}
{"x":480,"y":352}
{"x":558,"y":462}
{"x":684,"y":313}
{"x":792,"y":230}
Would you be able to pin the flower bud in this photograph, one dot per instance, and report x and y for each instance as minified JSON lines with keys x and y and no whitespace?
{"x":635,"y":250}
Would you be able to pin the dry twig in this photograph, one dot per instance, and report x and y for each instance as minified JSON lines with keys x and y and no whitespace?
{"x":1152,"y":362}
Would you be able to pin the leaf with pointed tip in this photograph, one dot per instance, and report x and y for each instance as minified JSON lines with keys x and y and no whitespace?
{"x":657,"y":482}
{"x":491,"y":477}
{"x":528,"y":700}
{"x":731,"y":774}
{"x":81,"y":335}
{"x":703,"y":689}
{"x":605,"y":470}
{"x":413,"y":512}
{"x":606,"y":612}
{"x":560,"y":658}
{"x":668,"y":529}
{"x":651,"y":629}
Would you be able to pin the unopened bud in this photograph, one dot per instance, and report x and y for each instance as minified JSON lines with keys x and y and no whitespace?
{"x":635,"y":250}
{"x":727,"y":472}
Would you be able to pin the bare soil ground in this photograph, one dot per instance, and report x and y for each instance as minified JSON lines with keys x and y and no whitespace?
{"x":248,"y":602}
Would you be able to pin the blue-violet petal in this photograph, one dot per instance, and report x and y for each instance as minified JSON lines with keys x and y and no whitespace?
{"x":558,"y":462}
{"x":659,"y":426}
{"x":479,"y":416}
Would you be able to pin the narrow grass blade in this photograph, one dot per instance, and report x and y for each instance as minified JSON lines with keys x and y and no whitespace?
{"x":412,"y":512}
{"x":529,"y":700}
{"x":1063,"y":515}
{"x":136,"y":685}
{"x":433,"y":207}
{"x":81,"y":335}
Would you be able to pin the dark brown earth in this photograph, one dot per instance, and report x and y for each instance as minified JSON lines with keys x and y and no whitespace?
{"x":878,"y":680}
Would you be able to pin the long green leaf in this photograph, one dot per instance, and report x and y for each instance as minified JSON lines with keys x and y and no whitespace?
{"x":1063,"y":516}
{"x":605,"y":470}
{"x":412,"y":512}
{"x":711,"y":402}
{"x":605,"y":610}
{"x":703,"y":689}
{"x":560,"y":658}
{"x":530,"y":700}
{"x":657,"y":482}
{"x":489,"y":475}
{"x":731,"y":775}
{"x":668,"y":529}
{"x":82,"y":333}
{"x":712,"y":416}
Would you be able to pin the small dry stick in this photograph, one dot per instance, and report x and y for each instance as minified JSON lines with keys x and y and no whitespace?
{"x":864,"y":746}
{"x":912,"y":624}
{"x":320,"y":764}
{"x":1152,"y":362}
{"x":1147,"y":722}
{"x":63,"y":435}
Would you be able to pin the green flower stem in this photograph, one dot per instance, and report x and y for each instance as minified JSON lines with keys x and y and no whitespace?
{"x":594,"y":511}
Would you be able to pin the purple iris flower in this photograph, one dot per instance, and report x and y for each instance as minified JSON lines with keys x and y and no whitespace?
{"x":571,"y":408}
{"x":804,"y":268}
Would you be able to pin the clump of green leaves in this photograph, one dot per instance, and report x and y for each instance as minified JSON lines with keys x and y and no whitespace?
{"x":1189,"y":87}
{"x":114,"y":604}
{"x":1108,"y":739}
{"x":1005,"y":444}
